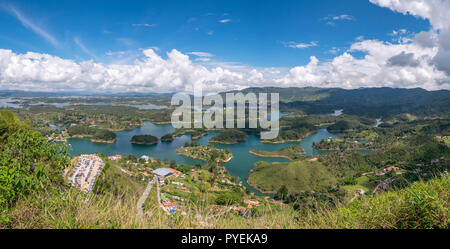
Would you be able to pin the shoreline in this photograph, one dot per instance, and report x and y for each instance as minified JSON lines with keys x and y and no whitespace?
{"x":281,"y":142}
{"x":253,"y":186}
{"x":104,"y":141}
{"x":260,"y":190}
{"x":270,"y":156}
{"x":144,"y":143}
{"x":91,"y":139}
{"x":202,"y":159}
{"x":161,"y":123}
{"x":288,"y":140}
{"x":221,"y":142}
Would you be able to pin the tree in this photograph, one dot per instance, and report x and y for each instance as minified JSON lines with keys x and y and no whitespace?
{"x":132,"y":158}
{"x":282,"y":193}
{"x":228,"y":198}
{"x":173,"y":164}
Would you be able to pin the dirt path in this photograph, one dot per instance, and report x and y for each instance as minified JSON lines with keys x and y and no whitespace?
{"x":124,"y":171}
{"x":354,"y":197}
{"x":144,"y":197}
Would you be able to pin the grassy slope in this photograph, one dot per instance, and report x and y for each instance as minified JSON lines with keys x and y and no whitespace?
{"x":296,"y":176}
{"x":112,"y":181}
{"x":422,"y":205}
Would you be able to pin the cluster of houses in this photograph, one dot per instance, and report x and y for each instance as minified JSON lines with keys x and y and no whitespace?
{"x":387,"y":170}
{"x":115,"y":158}
{"x":250,"y":204}
{"x":163,"y":174}
{"x":118,"y":157}
{"x":84,"y":173}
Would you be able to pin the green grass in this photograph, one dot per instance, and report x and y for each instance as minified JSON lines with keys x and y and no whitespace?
{"x":422,"y":205}
{"x":113,"y":181}
{"x":351,"y":189}
{"x":446,"y":140}
{"x":296,"y":176}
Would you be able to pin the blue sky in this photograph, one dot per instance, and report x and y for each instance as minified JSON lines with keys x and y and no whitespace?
{"x":258,"y":33}
{"x":167,"y":45}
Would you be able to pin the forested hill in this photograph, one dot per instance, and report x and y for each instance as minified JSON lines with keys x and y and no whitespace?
{"x":367,"y":96}
{"x":364,"y":101}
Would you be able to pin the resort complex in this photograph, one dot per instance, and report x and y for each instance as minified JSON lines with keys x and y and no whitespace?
{"x":84,"y":173}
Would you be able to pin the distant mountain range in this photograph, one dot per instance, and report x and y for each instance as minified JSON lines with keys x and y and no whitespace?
{"x":375,"y":102}
{"x":363,"y":101}
{"x":361,"y":96}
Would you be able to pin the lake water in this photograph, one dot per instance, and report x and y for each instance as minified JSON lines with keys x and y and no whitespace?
{"x":6,"y":102}
{"x":240,"y":165}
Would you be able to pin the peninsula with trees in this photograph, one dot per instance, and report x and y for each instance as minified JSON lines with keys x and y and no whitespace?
{"x":229,"y":136}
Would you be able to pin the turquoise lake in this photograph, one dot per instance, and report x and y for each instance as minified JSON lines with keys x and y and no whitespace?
{"x":240,"y":165}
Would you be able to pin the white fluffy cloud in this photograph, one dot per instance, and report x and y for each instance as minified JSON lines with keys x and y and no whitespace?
{"x":292,"y":44}
{"x":437,"y":12}
{"x":418,"y":60}
{"x":423,"y":61}
{"x":33,"y":71}
{"x":385,"y":64}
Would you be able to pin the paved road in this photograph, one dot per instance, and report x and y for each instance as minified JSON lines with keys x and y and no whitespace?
{"x":383,"y":185}
{"x":144,"y":197}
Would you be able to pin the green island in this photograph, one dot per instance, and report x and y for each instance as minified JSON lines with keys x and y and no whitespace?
{"x":96,"y":135}
{"x":293,"y":132}
{"x":293,"y":152}
{"x":296,"y":176}
{"x":144,"y":139}
{"x":206,"y":153}
{"x":229,"y":136}
{"x":167,"y":138}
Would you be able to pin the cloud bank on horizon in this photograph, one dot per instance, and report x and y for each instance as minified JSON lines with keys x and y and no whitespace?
{"x":417,"y":60}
